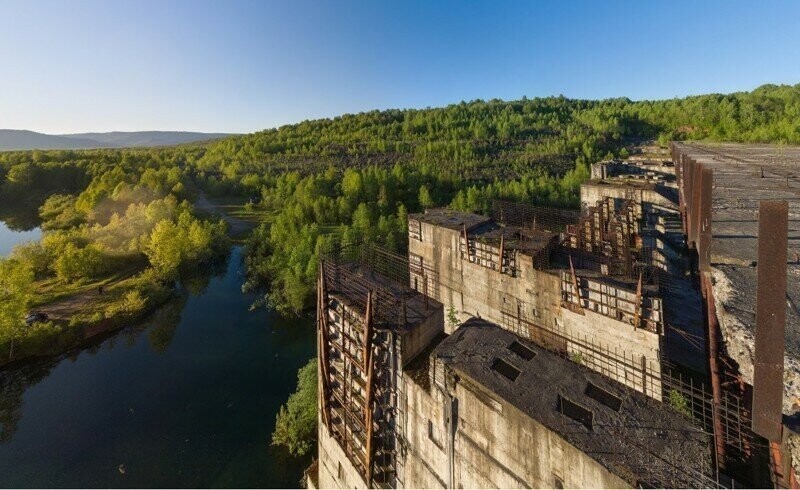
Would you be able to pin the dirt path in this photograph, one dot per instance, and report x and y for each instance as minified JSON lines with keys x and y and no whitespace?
{"x":64,"y":308}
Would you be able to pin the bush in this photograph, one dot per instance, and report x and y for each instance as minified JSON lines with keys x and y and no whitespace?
{"x":80,"y":263}
{"x":679,"y":403}
{"x":296,"y":423}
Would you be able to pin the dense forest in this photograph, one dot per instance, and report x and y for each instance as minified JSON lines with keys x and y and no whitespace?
{"x":316,"y":182}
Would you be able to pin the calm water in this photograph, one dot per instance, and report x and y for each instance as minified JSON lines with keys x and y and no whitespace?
{"x":9,"y":237}
{"x":187,"y":400}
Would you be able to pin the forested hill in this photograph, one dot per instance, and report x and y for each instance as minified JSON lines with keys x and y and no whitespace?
{"x":505,"y":139}
{"x":318,"y":183}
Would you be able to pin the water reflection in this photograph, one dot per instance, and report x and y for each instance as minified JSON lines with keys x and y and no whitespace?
{"x":13,"y":384}
{"x":19,"y":215}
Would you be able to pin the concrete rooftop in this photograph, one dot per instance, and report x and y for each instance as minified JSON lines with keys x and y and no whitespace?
{"x":643,"y":439}
{"x":448,"y":218}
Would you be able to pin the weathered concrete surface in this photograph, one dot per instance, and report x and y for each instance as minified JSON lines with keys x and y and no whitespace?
{"x":744,"y":175}
{"x":512,"y":434}
{"x":532,"y":297}
{"x":424,"y":429}
{"x":335,"y":468}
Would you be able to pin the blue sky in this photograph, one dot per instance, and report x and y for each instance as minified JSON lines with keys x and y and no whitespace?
{"x":240,"y":66}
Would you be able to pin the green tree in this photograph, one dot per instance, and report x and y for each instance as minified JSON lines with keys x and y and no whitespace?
{"x":424,"y":198}
{"x":296,"y":423}
{"x":76,"y":263}
{"x":16,"y":280}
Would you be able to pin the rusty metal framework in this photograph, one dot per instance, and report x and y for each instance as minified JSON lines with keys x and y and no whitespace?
{"x":738,"y":446}
{"x":630,"y":305}
{"x":366,"y":298}
{"x":533,"y":217}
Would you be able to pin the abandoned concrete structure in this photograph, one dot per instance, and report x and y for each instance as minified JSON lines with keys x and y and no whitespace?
{"x":538,"y":347}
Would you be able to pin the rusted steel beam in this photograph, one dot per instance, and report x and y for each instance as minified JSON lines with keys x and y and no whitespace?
{"x":677,"y":161}
{"x":576,"y":292}
{"x":773,"y":235}
{"x":368,"y":328}
{"x":704,"y":222}
{"x":680,"y":173}
{"x":502,"y":246}
{"x":637,"y":317}
{"x":322,"y":345}
{"x":368,"y":365}
{"x":696,"y":196}
{"x":688,"y":192}
{"x":713,"y":335}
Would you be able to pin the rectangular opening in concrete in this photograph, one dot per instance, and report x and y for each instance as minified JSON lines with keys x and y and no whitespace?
{"x":506,"y":369}
{"x":605,"y":397}
{"x":521,"y":351}
{"x":575,"y":412}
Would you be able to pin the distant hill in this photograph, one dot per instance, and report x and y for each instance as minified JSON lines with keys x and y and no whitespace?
{"x":15,"y":139}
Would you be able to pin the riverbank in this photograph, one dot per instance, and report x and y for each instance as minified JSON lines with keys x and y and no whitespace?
{"x":79,"y":317}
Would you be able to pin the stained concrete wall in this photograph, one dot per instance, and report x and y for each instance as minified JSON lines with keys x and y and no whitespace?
{"x":335,"y":469}
{"x":534,"y":296}
{"x":497,"y":446}
{"x":439,"y":249}
{"x":641,"y":349}
{"x":420,"y":336}
{"x":494,"y":446}
{"x":593,"y":192}
{"x":424,"y":429}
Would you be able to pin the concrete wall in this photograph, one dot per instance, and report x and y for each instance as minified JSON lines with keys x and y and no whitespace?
{"x":494,"y":445}
{"x":497,"y":446}
{"x":335,"y":469}
{"x":425,"y":463}
{"x":439,"y":249}
{"x":532,"y":297}
{"x":623,"y":365}
{"x":418,"y":338}
{"x":593,"y":192}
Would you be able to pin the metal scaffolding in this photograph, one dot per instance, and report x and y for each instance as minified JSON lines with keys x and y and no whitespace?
{"x":364,"y":302}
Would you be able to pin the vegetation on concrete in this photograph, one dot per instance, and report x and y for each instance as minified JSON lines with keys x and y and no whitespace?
{"x":452,"y":317}
{"x":679,"y":403}
{"x":296,"y":423}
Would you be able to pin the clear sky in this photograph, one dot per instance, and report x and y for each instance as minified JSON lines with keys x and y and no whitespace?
{"x":240,"y":66}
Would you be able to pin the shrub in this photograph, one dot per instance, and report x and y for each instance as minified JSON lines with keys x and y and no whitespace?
{"x":679,"y":403}
{"x":296,"y":423}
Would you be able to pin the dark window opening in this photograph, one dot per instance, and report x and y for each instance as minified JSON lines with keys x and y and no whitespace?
{"x":575,"y":412}
{"x":506,"y":369}
{"x":433,"y":435}
{"x":521,"y":351}
{"x":605,"y":397}
{"x":558,"y":482}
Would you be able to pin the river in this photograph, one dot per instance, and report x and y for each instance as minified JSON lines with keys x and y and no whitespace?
{"x":186,"y":400}
{"x":9,"y":237}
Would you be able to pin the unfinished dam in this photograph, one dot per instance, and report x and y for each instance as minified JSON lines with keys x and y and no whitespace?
{"x":650,"y":339}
